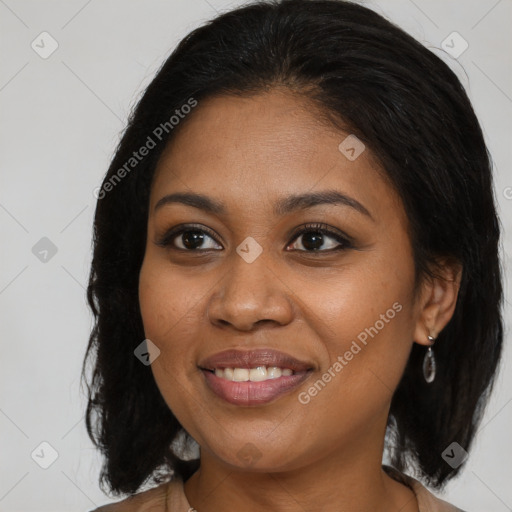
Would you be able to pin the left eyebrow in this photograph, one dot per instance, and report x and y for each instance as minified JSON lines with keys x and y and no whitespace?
{"x":282,"y":207}
{"x":303,"y":201}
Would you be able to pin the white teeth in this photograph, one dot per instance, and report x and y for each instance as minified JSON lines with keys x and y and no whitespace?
{"x":274,"y":372}
{"x":257,"y":374}
{"x":240,"y":374}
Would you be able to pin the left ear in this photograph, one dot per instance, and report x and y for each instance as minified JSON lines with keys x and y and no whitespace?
{"x":438,"y":298}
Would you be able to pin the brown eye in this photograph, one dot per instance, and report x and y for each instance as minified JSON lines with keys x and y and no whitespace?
{"x":318,"y":238}
{"x":188,"y":238}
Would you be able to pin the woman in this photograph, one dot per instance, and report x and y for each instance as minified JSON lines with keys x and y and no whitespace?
{"x":295,"y":267}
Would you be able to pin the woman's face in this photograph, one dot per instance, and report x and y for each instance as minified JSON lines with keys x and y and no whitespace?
{"x":341,"y":301}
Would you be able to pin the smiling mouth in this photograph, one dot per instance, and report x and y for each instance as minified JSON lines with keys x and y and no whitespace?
{"x":237,"y":387}
{"x":256,"y":374}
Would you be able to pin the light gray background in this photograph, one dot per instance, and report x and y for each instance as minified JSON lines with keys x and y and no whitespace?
{"x":61,"y":118}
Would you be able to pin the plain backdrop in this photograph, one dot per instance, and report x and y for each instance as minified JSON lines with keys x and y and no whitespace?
{"x":61,"y":118}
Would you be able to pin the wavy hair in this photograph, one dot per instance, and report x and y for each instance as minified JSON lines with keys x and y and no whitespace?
{"x":409,"y":108}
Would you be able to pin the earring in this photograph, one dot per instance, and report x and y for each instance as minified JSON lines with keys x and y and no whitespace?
{"x":429,"y":363}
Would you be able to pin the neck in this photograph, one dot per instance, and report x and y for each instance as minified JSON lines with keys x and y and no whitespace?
{"x":346,"y":479}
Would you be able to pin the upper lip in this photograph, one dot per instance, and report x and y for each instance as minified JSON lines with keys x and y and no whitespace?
{"x":234,"y":358}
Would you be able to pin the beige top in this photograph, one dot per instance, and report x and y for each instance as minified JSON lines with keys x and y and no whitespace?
{"x":154,"y":499}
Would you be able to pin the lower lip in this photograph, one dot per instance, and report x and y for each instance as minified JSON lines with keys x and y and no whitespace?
{"x":253,"y":393}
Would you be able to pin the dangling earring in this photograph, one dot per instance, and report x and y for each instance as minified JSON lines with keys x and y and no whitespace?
{"x":429,"y":363}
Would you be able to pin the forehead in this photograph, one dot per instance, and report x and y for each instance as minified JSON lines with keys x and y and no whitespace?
{"x":252,"y":149}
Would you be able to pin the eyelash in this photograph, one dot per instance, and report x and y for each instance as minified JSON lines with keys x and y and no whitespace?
{"x":344,"y":240}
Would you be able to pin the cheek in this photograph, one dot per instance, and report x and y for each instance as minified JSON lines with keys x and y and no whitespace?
{"x":171,"y":322}
{"x":165,"y":299}
{"x":370,"y":299}
{"x":170,"y":314}
{"x":369,"y":324}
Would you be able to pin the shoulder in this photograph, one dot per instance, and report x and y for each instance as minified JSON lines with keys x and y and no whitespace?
{"x":427,"y":501}
{"x":152,"y":500}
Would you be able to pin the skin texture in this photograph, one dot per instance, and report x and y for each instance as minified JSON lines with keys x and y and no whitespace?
{"x":326,"y":454}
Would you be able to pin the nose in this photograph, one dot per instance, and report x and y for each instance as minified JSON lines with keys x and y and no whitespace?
{"x":249,"y":294}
